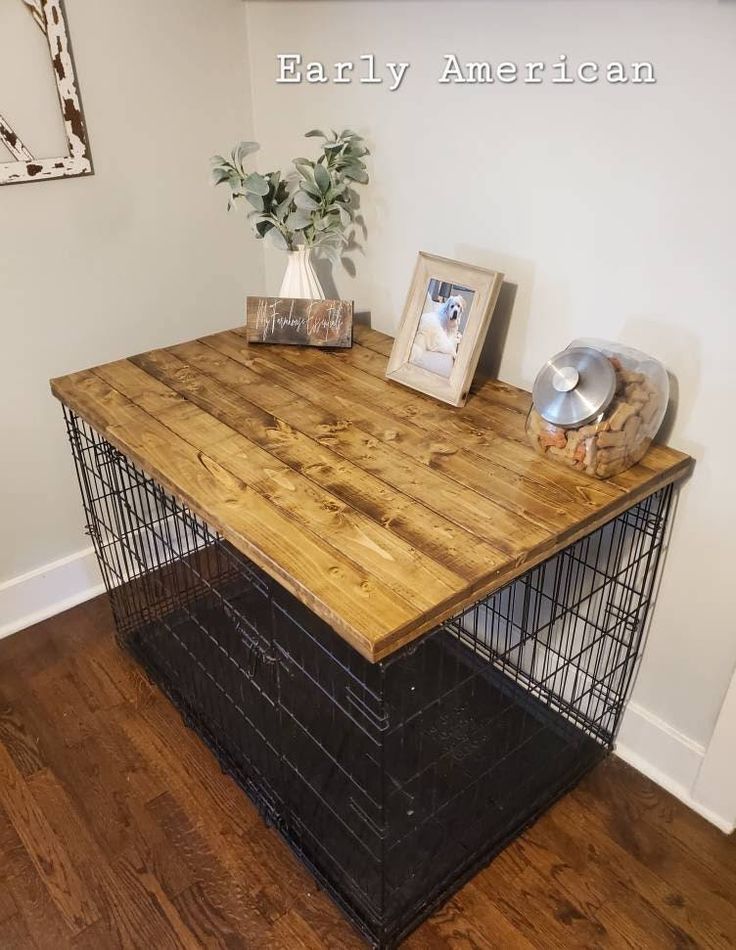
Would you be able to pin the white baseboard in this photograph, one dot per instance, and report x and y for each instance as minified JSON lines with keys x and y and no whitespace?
{"x":668,"y":757}
{"x":48,"y":590}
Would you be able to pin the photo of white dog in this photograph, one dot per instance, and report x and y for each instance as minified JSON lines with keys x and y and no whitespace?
{"x":440,"y":328}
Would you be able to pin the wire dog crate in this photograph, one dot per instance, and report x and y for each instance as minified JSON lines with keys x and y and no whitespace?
{"x":392,"y":781}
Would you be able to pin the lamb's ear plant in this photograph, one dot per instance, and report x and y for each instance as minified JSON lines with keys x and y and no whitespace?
{"x":313,"y":205}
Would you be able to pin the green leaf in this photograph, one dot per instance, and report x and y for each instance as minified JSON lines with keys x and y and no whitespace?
{"x":256,"y":183}
{"x":262,"y":228}
{"x":235,"y":179}
{"x":283,"y":207}
{"x":244,"y":149}
{"x":322,"y":178}
{"x":298,"y":220}
{"x":218,"y":175}
{"x":255,"y":200}
{"x":355,"y":173}
{"x":218,"y":160}
{"x":304,"y":167}
{"x":302,"y":199}
{"x":336,"y":191}
{"x":312,"y":189}
{"x":278,"y":239}
{"x":315,"y":133}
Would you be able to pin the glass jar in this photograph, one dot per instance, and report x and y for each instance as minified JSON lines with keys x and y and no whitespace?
{"x":597,"y":406}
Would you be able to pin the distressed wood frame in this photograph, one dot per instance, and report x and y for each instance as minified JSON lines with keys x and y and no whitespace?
{"x":486,"y":284}
{"x":51,"y":20}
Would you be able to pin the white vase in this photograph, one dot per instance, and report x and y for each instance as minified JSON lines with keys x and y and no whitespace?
{"x":300,"y":279}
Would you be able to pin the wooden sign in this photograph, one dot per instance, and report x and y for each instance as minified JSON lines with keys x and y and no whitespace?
{"x":298,"y":322}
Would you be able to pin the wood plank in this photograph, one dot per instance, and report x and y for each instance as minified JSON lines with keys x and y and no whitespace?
{"x":582,"y":864}
{"x":656,"y":823}
{"x":394,"y":562}
{"x":211,"y":926}
{"x":193,"y":780}
{"x":501,"y":393}
{"x":500,"y":417}
{"x":514,"y":462}
{"x":15,"y":935}
{"x":38,"y":912}
{"x":683,"y":904}
{"x":19,"y":744}
{"x":538,"y":907}
{"x":496,"y":398}
{"x":487,"y":407}
{"x":8,"y":906}
{"x":510,"y":534}
{"x":145,"y":892}
{"x":49,"y":858}
{"x":131,"y":892}
{"x":548,"y":503}
{"x":101,"y":761}
{"x":372,"y":339}
{"x":381,"y":509}
{"x":346,"y":597}
{"x":211,"y":381}
{"x":503,"y":444}
{"x":67,"y":707}
{"x":468,"y":919}
{"x":694,"y":898}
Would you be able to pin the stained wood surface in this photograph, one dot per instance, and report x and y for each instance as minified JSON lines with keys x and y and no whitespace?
{"x":118,"y":830}
{"x":383,"y":510}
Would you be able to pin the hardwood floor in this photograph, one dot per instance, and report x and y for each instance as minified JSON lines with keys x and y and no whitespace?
{"x":117,"y":829}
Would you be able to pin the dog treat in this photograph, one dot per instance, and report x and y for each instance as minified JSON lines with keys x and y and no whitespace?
{"x":623,"y":412}
{"x":608,"y":439}
{"x":623,"y":432}
{"x":631,"y":429}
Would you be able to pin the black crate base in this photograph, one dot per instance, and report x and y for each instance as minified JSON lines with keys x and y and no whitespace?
{"x":462,"y":843}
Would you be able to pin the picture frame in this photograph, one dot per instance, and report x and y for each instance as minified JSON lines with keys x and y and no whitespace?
{"x":296,"y":321}
{"x":50,"y":18}
{"x":445,"y":321}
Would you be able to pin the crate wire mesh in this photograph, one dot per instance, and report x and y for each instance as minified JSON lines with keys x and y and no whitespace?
{"x":395,"y":781}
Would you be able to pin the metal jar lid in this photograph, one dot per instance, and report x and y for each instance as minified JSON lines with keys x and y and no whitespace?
{"x":574,"y":386}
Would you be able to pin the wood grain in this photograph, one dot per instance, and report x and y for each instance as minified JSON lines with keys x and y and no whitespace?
{"x":42,"y":846}
{"x":171,"y":854}
{"x":381,"y":509}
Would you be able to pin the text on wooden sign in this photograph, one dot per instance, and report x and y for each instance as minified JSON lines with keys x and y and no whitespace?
{"x":299,"y":322}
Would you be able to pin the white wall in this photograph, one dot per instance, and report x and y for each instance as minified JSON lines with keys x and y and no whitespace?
{"x":141,"y":254}
{"x":611,"y":207}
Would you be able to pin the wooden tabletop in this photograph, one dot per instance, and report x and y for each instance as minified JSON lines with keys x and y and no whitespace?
{"x":381,"y":509}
